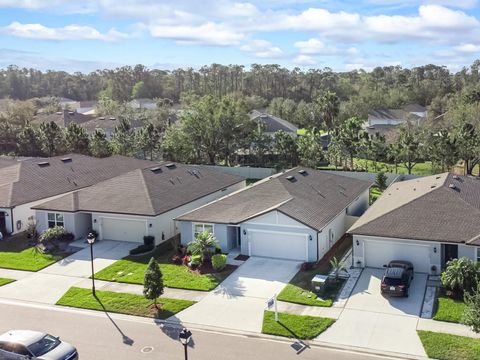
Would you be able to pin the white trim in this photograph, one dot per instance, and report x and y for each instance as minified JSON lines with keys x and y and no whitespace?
{"x":55,"y":215}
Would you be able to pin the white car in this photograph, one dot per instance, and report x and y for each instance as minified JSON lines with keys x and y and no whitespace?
{"x":28,"y":344}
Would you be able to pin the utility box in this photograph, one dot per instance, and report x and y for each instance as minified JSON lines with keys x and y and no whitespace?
{"x":318,"y":283}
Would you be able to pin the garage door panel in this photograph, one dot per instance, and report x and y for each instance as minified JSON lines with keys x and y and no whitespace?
{"x":379,"y":253}
{"x":278,"y":245}
{"x":123,"y":229}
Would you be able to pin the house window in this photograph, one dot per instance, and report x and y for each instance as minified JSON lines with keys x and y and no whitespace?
{"x":478,"y":254}
{"x":55,"y":219}
{"x":199,"y":228}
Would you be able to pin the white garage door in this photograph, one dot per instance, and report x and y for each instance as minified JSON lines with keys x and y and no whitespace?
{"x":378,"y":253}
{"x":278,"y":245}
{"x":123,"y":229}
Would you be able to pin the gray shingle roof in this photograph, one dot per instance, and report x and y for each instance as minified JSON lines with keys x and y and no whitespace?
{"x":441,"y":207}
{"x":148,"y":191}
{"x":273,"y":123}
{"x":313,"y":199}
{"x":27,"y":181}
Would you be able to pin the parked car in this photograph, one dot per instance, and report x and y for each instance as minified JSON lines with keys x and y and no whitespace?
{"x":28,"y":344}
{"x":397,"y":278}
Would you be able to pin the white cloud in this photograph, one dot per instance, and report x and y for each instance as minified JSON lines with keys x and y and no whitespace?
{"x":304,"y":60}
{"x":316,"y":46}
{"x":468,"y":48}
{"x":206,"y":34}
{"x":69,"y":32}
{"x":262,"y":49}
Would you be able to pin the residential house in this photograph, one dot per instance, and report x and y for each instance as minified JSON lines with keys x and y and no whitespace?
{"x":272,"y":124}
{"x":27,"y":183}
{"x":426,"y":221}
{"x":143,"y":104}
{"x":387,"y":121}
{"x":137,"y":203}
{"x":298,"y":214}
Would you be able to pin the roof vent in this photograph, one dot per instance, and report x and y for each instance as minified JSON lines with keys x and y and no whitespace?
{"x":59,"y":113}
{"x":433,"y":186}
{"x":43,"y":164}
{"x":112,"y":118}
{"x":290,"y":178}
{"x":264,"y":116}
{"x":66,"y":160}
{"x":101,"y":118}
{"x":156,"y":170}
{"x":437,"y":177}
{"x":303,"y":172}
{"x":71,"y":113}
{"x":171,"y":166}
{"x":452,"y":186}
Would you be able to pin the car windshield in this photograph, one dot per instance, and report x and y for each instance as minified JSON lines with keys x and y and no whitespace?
{"x":393,"y":281}
{"x":44,"y":345}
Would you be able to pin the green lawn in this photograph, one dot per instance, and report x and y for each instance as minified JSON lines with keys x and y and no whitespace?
{"x":449,"y":310}
{"x":17,"y":253}
{"x":424,"y":168}
{"x":298,"y":289}
{"x":4,"y":281}
{"x":449,"y":347}
{"x":375,"y":193}
{"x":131,"y":269}
{"x":294,"y":326}
{"x":122,"y":303}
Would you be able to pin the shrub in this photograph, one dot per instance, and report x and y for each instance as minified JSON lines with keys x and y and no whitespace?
{"x":460,"y":276}
{"x":219,"y":261}
{"x":218,"y":250}
{"x":195,"y":260}
{"x":141,"y":249}
{"x":54,"y":236}
{"x":176,"y":259}
{"x":202,"y":245}
{"x":471,"y":316}
{"x":149,"y":240}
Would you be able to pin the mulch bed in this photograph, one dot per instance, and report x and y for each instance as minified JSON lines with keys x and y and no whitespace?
{"x":242,"y":257}
{"x":207,"y":268}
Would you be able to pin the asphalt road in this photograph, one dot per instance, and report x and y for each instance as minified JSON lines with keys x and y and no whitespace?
{"x":98,"y":336}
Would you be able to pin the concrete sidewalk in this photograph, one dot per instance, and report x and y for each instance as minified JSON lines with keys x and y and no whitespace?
{"x":446,"y":327}
{"x":14,"y":274}
{"x":181,"y":294}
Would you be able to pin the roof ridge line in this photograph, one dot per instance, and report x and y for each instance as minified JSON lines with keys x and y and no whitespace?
{"x":146,"y":189}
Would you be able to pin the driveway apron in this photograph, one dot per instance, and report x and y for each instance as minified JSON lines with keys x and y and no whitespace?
{"x":48,"y":285}
{"x":239,"y":301}
{"x":373,"y":321}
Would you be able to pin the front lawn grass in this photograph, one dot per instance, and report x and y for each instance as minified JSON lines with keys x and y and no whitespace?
{"x":122,"y":303}
{"x":298,"y":289}
{"x":294,"y":326}
{"x":4,"y":281}
{"x":131,"y":269}
{"x":449,"y":310}
{"x":449,"y":347}
{"x":17,"y":252}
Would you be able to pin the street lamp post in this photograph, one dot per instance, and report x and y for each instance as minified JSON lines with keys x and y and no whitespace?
{"x":185,"y":336}
{"x":91,"y":239}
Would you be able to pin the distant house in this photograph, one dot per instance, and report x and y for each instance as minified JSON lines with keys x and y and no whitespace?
{"x":87,"y":107}
{"x":89,"y":122}
{"x":143,"y":104}
{"x":67,"y":103}
{"x":386,"y":121}
{"x":272,"y":124}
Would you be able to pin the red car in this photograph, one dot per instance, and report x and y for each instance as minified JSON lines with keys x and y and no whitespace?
{"x":397,"y":278}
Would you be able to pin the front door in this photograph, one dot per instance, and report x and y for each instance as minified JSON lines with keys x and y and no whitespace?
{"x":3,"y":223}
{"x":450,"y":252}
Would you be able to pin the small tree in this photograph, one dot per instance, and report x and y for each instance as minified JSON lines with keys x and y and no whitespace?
{"x":203,"y":244}
{"x":337,"y":267}
{"x":153,"y":282}
{"x":471,"y":316}
{"x":381,"y":180}
{"x":461,"y":276}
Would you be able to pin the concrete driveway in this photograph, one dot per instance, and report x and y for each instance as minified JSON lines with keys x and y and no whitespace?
{"x":48,"y":285}
{"x":239,"y":301}
{"x":373,"y":321}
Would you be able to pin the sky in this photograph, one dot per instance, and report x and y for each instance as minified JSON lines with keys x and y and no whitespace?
{"x":342,"y":35}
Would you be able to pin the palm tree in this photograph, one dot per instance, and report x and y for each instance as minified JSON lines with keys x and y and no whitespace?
{"x":337,"y":267}
{"x":203,"y":245}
